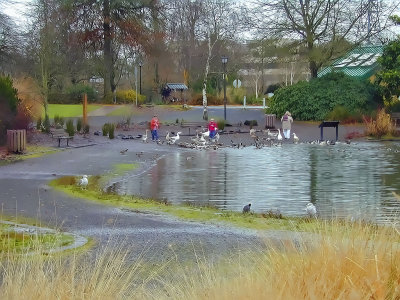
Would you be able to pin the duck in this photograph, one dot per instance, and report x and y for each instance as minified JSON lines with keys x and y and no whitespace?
{"x":295,"y":138}
{"x":144,"y":137}
{"x":311,"y":210}
{"x":279,"y":135}
{"x":246,"y":208}
{"x":123,"y":151}
{"x":83,"y":182}
{"x":173,"y":139}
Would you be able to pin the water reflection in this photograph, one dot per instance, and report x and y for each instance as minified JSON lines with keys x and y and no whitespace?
{"x":348,"y":181}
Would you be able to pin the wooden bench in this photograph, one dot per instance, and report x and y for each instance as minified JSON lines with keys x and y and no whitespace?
{"x":189,"y":125}
{"x":60,"y":134}
{"x":396,"y":118}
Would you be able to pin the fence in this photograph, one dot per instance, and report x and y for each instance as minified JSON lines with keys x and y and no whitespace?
{"x":16,"y":140}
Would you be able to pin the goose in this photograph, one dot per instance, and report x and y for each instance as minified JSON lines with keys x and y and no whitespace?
{"x":83,"y":182}
{"x":279,"y":135}
{"x":167,"y":138}
{"x":246,"y":208}
{"x":144,"y":137}
{"x":295,"y":138}
{"x":253,"y":133}
{"x":207,"y":133}
{"x":311,"y":210}
{"x":173,"y":139}
{"x":123,"y":151}
{"x":202,"y":141}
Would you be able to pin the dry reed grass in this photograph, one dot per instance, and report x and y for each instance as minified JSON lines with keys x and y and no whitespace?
{"x":383,"y":125}
{"x":336,"y":262}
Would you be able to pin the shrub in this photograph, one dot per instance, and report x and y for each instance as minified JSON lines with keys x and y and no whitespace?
{"x":86,"y":128}
{"x":79,"y":125}
{"x":58,"y":121}
{"x":46,"y":124}
{"x":39,"y":123}
{"x":221,"y":124}
{"x":129,"y":96}
{"x":75,"y":93}
{"x":383,"y":125}
{"x":70,"y":127}
{"x":105,"y":129}
{"x":111,"y":131}
{"x":314,"y":100}
{"x":8,"y":106}
{"x":211,"y":100}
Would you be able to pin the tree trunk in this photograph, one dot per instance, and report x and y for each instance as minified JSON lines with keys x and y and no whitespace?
{"x":205,"y":112}
{"x":108,"y":65}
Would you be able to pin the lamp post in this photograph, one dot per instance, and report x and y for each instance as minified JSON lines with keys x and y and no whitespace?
{"x":140,"y":77}
{"x":224,"y":62}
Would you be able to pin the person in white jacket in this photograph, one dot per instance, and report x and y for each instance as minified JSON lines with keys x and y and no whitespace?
{"x":287,"y":121}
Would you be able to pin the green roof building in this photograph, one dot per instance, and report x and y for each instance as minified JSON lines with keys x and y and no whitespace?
{"x":360,"y":62}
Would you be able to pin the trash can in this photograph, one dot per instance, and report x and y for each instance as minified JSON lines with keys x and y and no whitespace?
{"x":270,"y":121}
{"x":16,"y":140}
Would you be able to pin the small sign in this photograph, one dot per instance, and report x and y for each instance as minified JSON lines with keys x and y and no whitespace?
{"x":237,"y":83}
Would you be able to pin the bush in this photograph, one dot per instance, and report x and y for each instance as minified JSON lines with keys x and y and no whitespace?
{"x":111,"y":131}
{"x":58,"y":121}
{"x":383,"y":125}
{"x":46,"y":124}
{"x":340,"y":113}
{"x":221,"y":124}
{"x":39,"y":123}
{"x":79,"y":125}
{"x":8,"y":106}
{"x":211,"y":100}
{"x":86,"y":128}
{"x":314,"y":100}
{"x":73,"y":94}
{"x":129,"y":96}
{"x":105,"y":129}
{"x":70,"y":127}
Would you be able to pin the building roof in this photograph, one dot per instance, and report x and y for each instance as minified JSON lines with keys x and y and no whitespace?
{"x":176,"y":86}
{"x":360,"y":62}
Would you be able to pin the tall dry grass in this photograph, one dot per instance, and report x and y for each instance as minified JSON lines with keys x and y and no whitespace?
{"x":336,"y":262}
{"x":383,"y":125}
{"x":357,"y":263}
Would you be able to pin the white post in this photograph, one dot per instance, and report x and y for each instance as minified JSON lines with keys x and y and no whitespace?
{"x":263,"y":102}
{"x":244,"y":101}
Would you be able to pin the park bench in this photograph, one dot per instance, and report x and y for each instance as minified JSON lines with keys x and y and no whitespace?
{"x":189,"y":124}
{"x":396,"y":118}
{"x":60,"y":134}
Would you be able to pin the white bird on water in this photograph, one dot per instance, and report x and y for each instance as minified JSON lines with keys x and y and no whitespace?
{"x":295,"y":138}
{"x":311,"y":210}
{"x":83,"y":182}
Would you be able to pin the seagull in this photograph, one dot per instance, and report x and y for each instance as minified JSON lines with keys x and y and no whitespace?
{"x":279,"y":135}
{"x":144,"y":137}
{"x":246,"y":208}
{"x":123,"y":151}
{"x":311,"y":210}
{"x":83,"y":182}
{"x":173,"y":139}
{"x":295,"y":138}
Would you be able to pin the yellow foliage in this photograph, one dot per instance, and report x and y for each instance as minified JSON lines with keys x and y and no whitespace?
{"x":129,"y":96}
{"x":383,"y":125}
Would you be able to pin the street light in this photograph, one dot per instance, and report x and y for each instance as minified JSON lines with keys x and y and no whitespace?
{"x":140,"y":76}
{"x":224,"y":62}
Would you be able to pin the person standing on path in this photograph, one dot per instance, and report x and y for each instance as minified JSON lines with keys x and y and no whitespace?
{"x":154,"y":125}
{"x":287,"y":121}
{"x":212,"y":127}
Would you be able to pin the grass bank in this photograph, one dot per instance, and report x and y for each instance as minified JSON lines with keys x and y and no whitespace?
{"x":32,"y":151}
{"x":264,"y":221}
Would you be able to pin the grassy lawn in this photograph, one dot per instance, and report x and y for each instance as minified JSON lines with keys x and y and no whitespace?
{"x":32,"y":151}
{"x":124,"y":111}
{"x":69,"y":110}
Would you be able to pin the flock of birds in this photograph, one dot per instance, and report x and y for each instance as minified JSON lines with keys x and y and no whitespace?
{"x":310,"y":209}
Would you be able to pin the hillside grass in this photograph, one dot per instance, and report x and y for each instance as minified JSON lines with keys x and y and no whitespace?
{"x":68,"y":110}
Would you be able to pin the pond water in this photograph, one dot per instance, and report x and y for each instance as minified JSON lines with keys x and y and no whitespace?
{"x":346,"y":181}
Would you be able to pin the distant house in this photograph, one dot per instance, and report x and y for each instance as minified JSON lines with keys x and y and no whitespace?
{"x":173,"y":92}
{"x":361,"y":62}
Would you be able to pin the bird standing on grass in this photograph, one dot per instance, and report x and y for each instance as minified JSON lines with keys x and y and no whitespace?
{"x":246,"y":208}
{"x":311,"y":210}
{"x":83,"y":182}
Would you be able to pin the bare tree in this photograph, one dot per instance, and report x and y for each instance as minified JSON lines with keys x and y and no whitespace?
{"x":322,"y":28}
